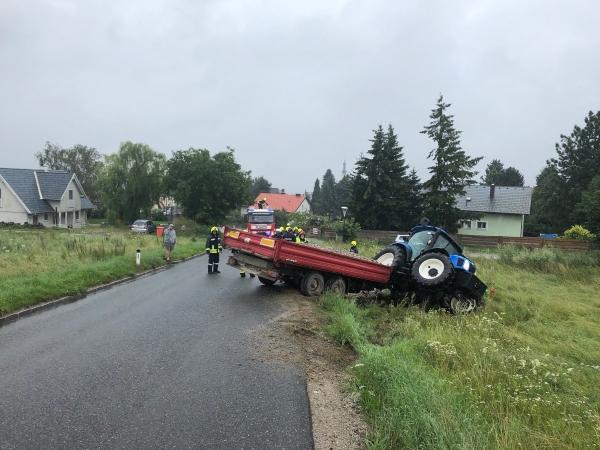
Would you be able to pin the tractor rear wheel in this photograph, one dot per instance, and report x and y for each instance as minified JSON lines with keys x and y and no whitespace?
{"x":432,"y":270}
{"x":392,"y":255}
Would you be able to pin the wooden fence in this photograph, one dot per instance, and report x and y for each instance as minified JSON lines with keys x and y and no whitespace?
{"x":469,"y":240}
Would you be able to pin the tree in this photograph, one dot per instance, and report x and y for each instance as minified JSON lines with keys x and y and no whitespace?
{"x":451,"y":172}
{"x":495,"y":173}
{"x":578,"y":161}
{"x":589,"y":207}
{"x":344,"y":190}
{"x":492,"y":172}
{"x":511,"y":177}
{"x":80,"y":160}
{"x":259,"y":184}
{"x":130,"y":181}
{"x":381,"y":190}
{"x":207,"y":188}
{"x":329,"y":199}
{"x":547,"y":204}
{"x":316,"y":198}
{"x":414,"y":210}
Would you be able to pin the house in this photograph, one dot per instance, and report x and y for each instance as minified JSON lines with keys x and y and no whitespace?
{"x":503,"y":210}
{"x":291,"y":203}
{"x":49,"y":197}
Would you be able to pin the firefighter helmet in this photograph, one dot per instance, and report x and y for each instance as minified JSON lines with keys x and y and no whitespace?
{"x":214,"y":229}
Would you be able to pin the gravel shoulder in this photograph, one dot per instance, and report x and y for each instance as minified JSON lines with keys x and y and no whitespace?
{"x":294,"y":341}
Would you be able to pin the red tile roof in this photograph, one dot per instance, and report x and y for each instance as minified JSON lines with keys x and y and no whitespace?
{"x":281,"y":201}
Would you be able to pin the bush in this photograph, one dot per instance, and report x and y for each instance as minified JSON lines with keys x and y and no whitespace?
{"x":349,"y":229}
{"x":578,"y":232}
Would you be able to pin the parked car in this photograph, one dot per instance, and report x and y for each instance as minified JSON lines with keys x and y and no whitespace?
{"x":144,"y":226}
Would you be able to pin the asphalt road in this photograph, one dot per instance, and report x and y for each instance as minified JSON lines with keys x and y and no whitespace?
{"x":159,"y":362}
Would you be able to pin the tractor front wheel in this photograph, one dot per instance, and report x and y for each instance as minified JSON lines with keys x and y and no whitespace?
{"x":432,"y":270}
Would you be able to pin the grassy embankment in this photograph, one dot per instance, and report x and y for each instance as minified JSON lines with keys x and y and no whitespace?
{"x":522,"y":374}
{"x":45,"y":264}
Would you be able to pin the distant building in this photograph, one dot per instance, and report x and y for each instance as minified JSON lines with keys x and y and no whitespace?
{"x":291,"y":203}
{"x":48,"y":197}
{"x":344,"y":170}
{"x":503,"y":210}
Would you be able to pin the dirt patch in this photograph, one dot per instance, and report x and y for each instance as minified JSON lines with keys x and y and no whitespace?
{"x":295,"y":342}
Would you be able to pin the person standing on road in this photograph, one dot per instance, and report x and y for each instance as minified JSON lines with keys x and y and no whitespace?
{"x":354,"y":248}
{"x":170,"y":239}
{"x":213,"y":248}
{"x":288,"y":235}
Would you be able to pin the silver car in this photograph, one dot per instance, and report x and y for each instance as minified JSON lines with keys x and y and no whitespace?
{"x":144,"y":226}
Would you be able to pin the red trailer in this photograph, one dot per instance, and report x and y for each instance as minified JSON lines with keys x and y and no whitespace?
{"x":311,"y":268}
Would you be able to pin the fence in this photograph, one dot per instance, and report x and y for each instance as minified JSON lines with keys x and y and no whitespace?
{"x":472,"y":241}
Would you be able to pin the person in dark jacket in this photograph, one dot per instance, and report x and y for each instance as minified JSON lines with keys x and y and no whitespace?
{"x":213,"y":248}
{"x":354,"y":248}
{"x":288,"y":235}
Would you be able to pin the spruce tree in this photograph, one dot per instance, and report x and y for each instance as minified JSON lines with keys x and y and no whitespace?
{"x":329,"y":200}
{"x":315,"y":199}
{"x":380,"y":194}
{"x":414,"y":211}
{"x":451,"y":171}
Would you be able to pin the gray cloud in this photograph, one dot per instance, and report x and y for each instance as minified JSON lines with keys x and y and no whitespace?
{"x":296,"y":87}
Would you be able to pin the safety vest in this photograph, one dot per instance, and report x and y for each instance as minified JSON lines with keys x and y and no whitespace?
{"x":213,"y":244}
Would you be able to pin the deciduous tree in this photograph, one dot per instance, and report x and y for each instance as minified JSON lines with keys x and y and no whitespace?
{"x":207,"y":187}
{"x":259,"y":184}
{"x":131,"y":180}
{"x":79,"y":159}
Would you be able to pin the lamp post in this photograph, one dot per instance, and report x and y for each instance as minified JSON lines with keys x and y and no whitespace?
{"x":344,"y":211}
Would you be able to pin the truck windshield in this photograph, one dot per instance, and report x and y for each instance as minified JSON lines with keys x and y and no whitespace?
{"x":260,"y":218}
{"x":418,"y":242}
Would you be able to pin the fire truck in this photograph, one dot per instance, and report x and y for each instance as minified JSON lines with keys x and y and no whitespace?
{"x":261,"y":221}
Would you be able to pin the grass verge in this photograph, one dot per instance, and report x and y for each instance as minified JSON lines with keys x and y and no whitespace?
{"x":521,"y":374}
{"x":45,"y":264}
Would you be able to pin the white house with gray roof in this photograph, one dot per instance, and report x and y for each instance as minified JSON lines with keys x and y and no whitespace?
{"x":503,"y":210}
{"x":49,"y":197}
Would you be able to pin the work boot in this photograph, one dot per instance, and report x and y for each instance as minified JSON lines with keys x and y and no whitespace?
{"x":243,"y":275}
{"x":217,"y":271}
{"x":252,"y":275}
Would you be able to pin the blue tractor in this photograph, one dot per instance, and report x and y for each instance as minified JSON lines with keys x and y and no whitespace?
{"x":429,"y":264}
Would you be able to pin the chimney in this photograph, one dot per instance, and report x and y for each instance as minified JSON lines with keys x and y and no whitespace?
{"x":492,"y":189}
{"x":283,"y":191}
{"x":297,"y":195}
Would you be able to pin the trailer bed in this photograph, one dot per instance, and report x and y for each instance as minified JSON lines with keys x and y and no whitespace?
{"x":283,"y":253}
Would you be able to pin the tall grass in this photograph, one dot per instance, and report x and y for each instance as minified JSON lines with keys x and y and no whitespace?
{"x":524,"y":373}
{"x":40,"y":265}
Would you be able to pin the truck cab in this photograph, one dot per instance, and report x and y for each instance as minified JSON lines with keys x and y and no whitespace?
{"x":261,"y":221}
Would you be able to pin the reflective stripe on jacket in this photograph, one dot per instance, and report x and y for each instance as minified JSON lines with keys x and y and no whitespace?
{"x":213,"y":244}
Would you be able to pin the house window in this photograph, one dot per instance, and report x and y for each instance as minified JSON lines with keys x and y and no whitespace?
{"x":482,"y":225}
{"x":35,"y":218}
{"x":466,"y":224}
{"x":70,"y":194}
{"x":45,"y":217}
{"x":77,"y":216}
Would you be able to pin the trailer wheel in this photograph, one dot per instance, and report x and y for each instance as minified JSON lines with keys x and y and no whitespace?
{"x":266,"y":281}
{"x":337,"y":285}
{"x":312,"y":284}
{"x":432,"y":269}
{"x":392,"y":255}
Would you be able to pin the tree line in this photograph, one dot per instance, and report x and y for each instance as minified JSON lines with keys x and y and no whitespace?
{"x":382,"y":191}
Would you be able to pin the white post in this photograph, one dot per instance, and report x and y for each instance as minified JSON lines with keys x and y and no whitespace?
{"x":138,"y":257}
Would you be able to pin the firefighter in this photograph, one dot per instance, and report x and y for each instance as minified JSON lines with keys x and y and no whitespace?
{"x":278,"y":233}
{"x":354,"y":249}
{"x":288,"y":235}
{"x":213,"y":248}
{"x":302,"y":235}
{"x":243,"y":272}
{"x":262,"y":203}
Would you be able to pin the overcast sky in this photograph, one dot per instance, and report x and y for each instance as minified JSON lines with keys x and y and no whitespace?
{"x":296,"y":87}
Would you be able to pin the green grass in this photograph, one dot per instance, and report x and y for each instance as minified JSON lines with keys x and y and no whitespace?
{"x":44,"y":264}
{"x":523,"y":373}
